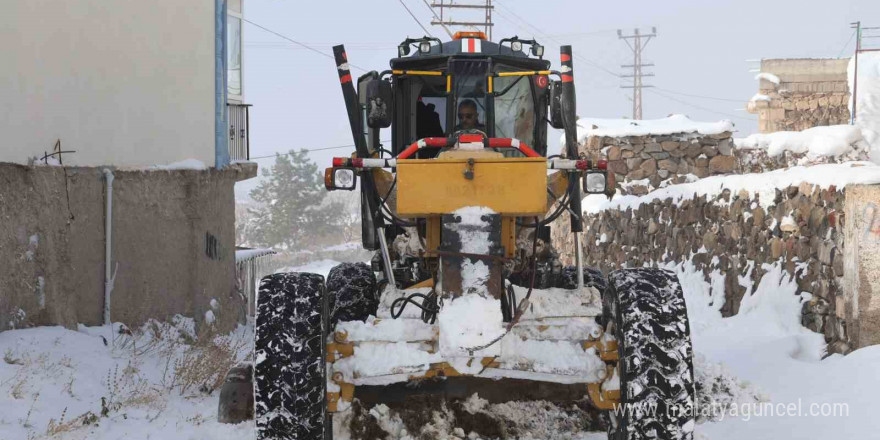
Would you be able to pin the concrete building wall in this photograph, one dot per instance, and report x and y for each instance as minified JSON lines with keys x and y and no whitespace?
{"x":173,"y":245}
{"x":862,"y":264}
{"x":123,"y":82}
{"x":810,"y":93}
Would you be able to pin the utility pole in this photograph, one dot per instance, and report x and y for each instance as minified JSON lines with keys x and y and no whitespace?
{"x":639,"y":41}
{"x":860,"y":35}
{"x":858,"y":27}
{"x":444,"y":19}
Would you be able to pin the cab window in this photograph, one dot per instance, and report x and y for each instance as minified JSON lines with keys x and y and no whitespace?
{"x":514,"y":108}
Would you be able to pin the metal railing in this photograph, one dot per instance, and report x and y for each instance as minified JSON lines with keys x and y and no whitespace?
{"x":239,"y":127}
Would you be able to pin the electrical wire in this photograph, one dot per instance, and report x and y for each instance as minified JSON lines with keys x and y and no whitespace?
{"x":306,"y":46}
{"x":698,"y":106}
{"x":551,"y":38}
{"x":309,"y":150}
{"x":415,"y":18}
{"x":847,"y":43}
{"x":698,"y":96}
{"x":440,"y":22}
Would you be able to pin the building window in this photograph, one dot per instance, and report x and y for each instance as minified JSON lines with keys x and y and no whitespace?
{"x":233,"y":53}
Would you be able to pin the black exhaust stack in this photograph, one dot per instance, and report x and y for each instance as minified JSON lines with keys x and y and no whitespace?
{"x":569,"y":118}
{"x":369,"y":202}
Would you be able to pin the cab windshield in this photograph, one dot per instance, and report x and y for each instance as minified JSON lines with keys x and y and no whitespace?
{"x":469,"y":85}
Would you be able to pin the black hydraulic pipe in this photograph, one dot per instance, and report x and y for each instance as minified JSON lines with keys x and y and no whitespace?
{"x":569,"y":118}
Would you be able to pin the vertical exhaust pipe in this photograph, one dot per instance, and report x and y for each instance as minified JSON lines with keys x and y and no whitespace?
{"x":569,"y":119}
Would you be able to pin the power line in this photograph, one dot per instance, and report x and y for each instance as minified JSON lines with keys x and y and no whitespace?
{"x":609,"y":72}
{"x":299,"y":44}
{"x":698,"y":106}
{"x":448,"y":32}
{"x":847,"y":44}
{"x":699,"y":96}
{"x":310,"y":150}
{"x":640,"y":41}
{"x":485,"y":8}
{"x":551,"y":38}
{"x":415,"y":18}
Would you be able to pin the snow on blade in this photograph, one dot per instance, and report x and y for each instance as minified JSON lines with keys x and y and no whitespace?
{"x":374,"y":362}
{"x":391,"y":330}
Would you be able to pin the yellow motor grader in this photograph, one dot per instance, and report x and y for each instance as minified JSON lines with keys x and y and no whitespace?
{"x":465,"y":293}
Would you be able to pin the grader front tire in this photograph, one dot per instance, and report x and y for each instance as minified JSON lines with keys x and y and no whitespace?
{"x":649,"y":319}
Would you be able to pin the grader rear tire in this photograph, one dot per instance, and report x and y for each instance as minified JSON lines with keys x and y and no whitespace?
{"x":648,"y":314}
{"x":289,"y":370}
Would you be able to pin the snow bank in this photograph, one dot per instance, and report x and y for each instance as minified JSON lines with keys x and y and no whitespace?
{"x":834,"y":140}
{"x":868,"y":96}
{"x":763,"y":185}
{"x":54,"y":383}
{"x":629,"y":127}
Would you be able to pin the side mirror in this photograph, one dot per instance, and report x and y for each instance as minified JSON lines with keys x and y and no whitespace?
{"x":379,"y":103}
{"x":340,"y":178}
{"x":556,"y":120}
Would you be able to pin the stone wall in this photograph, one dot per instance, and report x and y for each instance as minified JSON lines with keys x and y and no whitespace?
{"x":641,"y":163}
{"x":758,"y":161}
{"x":172,"y":245}
{"x":810,"y":93}
{"x":732,"y":236}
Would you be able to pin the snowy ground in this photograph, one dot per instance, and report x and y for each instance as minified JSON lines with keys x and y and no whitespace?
{"x":63,"y":384}
{"x":52,"y":380}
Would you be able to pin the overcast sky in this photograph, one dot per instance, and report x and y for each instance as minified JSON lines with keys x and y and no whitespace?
{"x":703,"y":54}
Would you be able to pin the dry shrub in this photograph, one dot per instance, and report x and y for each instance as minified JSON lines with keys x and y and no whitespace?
{"x":203,"y":365}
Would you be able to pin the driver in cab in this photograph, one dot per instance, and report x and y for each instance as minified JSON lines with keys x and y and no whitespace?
{"x":468,"y":118}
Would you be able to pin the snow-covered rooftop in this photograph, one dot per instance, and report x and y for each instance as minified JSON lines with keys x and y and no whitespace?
{"x":763,"y":184}
{"x":629,"y":127}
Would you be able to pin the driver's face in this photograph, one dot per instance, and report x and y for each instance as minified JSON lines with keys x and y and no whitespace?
{"x":467,"y":117}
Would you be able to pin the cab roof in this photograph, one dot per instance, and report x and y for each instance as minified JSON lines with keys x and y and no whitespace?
{"x":469,"y":48}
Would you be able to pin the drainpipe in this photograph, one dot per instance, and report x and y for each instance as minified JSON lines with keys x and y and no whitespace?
{"x":109,"y":277}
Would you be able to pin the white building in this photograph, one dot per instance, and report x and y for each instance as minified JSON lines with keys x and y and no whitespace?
{"x":122,"y":82}
{"x":119,"y":86}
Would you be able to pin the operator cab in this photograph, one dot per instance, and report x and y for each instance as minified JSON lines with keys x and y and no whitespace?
{"x":467,"y":85}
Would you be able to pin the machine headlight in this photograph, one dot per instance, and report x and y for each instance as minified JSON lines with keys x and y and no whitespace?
{"x":403,"y":50}
{"x":538,"y":50}
{"x":516,"y":46}
{"x":340,"y":178}
{"x":594,"y":183}
{"x":425,"y":46}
